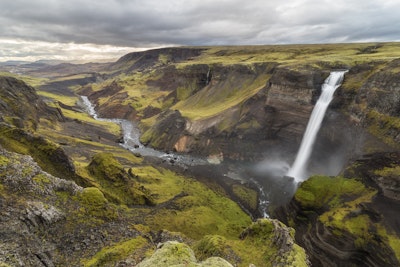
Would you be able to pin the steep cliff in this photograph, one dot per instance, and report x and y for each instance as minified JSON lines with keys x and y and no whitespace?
{"x":20,"y":105}
{"x":342,"y":222}
{"x":260,"y":106}
{"x":371,"y":94}
{"x":240,"y":102}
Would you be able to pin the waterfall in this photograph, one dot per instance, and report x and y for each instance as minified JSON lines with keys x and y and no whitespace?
{"x":208,"y":76}
{"x":299,"y":167}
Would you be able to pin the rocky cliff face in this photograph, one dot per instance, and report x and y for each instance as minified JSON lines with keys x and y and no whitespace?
{"x":26,"y":218}
{"x":21,"y":106}
{"x":341,"y":222}
{"x":275,"y":113}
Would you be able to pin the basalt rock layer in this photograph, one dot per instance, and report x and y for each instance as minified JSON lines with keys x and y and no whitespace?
{"x":241,"y":109}
{"x":274,"y":113}
{"x":20,"y":105}
{"x":340,"y":223}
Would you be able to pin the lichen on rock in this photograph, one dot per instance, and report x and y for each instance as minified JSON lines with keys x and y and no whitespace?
{"x":277,"y":243}
{"x":175,"y":254}
{"x":337,"y":223}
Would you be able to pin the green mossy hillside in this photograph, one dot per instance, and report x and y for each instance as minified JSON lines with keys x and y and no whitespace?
{"x":265,"y":242}
{"x":119,"y":186}
{"x":49,"y":155}
{"x":117,"y":252}
{"x":343,"y":207}
{"x":197,"y":210}
{"x":246,"y":195}
{"x":321,"y":192}
{"x":229,"y":88}
{"x":179,"y":255}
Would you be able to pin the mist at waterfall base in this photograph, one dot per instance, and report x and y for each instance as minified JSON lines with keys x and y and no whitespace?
{"x":278,"y":179}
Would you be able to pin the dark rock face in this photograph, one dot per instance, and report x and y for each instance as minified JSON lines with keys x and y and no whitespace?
{"x":276,"y":115}
{"x":43,"y":219}
{"x":382,"y":90}
{"x":166,"y":132}
{"x":329,"y":232}
{"x":292,"y":94}
{"x":192,"y":78}
{"x":370,"y":96}
{"x":22,"y":223}
{"x":379,"y":170}
{"x":21,"y":106}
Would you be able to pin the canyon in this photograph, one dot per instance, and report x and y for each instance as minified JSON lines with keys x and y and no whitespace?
{"x":242,"y":111}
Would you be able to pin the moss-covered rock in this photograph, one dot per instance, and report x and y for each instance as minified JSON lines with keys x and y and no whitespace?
{"x":107,"y":167}
{"x":321,"y":192}
{"x":50,"y":156}
{"x":247,"y":196}
{"x":21,"y":106}
{"x":198,"y":210}
{"x":275,"y":242}
{"x":211,"y":245}
{"x":120,"y":252}
{"x":341,"y":212}
{"x":175,"y":254}
{"x":117,"y":184}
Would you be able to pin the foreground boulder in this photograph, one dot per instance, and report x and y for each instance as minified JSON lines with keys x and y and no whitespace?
{"x":175,"y":254}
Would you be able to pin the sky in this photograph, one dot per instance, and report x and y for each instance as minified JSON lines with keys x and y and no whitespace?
{"x":107,"y":29}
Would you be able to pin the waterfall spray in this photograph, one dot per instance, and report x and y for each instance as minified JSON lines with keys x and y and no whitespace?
{"x":299,"y":167}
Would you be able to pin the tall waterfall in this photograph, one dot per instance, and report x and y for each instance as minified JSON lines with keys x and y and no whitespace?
{"x":299,"y":167}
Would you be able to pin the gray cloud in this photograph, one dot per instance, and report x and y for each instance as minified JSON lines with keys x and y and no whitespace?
{"x":134,"y":23}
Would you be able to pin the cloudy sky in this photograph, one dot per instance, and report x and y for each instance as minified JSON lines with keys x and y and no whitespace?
{"x":87,"y":29}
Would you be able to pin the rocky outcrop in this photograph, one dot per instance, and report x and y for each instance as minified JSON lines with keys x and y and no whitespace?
{"x":27,"y":200}
{"x":176,"y":254}
{"x":340,"y":222}
{"x":49,"y":155}
{"x":370,"y":95}
{"x":21,"y":106}
{"x":116,"y":183}
{"x":379,"y":170}
{"x":167,"y":134}
{"x":281,"y":237}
